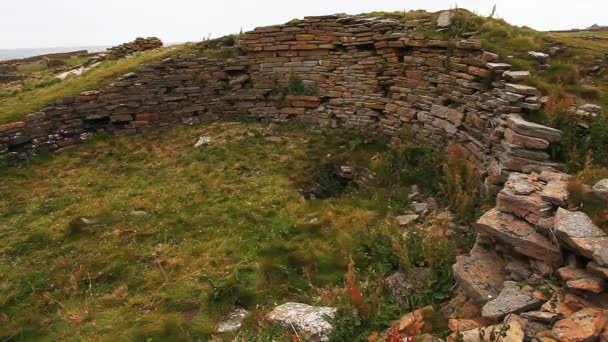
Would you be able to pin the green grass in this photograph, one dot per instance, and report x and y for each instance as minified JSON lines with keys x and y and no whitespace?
{"x":225,"y":227}
{"x":14,"y":105}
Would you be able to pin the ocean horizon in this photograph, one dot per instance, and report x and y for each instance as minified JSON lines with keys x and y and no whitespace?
{"x":7,"y":54}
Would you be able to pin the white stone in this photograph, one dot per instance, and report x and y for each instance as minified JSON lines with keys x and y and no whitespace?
{"x":234,"y":321}
{"x":310,"y":321}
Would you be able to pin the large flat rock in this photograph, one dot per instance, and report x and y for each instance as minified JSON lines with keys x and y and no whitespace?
{"x":519,"y":235}
{"x":577,"y":230}
{"x":584,"y":325}
{"x":481,"y":274}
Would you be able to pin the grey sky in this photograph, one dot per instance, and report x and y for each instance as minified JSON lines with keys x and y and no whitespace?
{"x":52,"y":23}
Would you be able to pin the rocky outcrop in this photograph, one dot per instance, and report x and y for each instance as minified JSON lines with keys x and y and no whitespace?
{"x":531,"y":234}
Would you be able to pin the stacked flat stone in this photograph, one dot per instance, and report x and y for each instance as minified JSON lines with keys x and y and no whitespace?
{"x":528,"y":236}
{"x":138,"y":45}
{"x":371,"y":74}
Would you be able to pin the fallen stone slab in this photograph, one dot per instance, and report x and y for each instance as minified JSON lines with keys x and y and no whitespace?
{"x":519,"y":235}
{"x":481,"y":274}
{"x":584,"y":325}
{"x":521,"y":126}
{"x":577,"y":230}
{"x":310,"y":321}
{"x":510,"y":300}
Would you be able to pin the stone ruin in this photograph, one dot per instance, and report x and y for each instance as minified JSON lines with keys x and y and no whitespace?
{"x":378,"y":75}
{"x":138,"y":45}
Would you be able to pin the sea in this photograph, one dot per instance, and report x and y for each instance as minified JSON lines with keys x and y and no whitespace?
{"x":6,"y":54}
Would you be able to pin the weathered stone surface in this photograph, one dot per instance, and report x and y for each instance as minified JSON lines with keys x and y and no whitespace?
{"x":600,"y":189}
{"x":308,"y":320}
{"x":405,"y":220}
{"x":556,"y":192}
{"x":521,"y":89}
{"x":452,"y":115}
{"x":513,"y":332}
{"x":577,"y":230}
{"x":234,"y":321}
{"x":521,"y":196}
{"x":523,"y":127}
{"x":516,"y":75}
{"x":584,"y":325}
{"x":519,"y":235}
{"x":540,"y":316}
{"x":510,"y":300}
{"x":416,"y":322}
{"x":532,"y":329}
{"x":481,"y":275}
{"x":402,"y":285}
{"x":525,"y":141}
{"x":581,"y":279}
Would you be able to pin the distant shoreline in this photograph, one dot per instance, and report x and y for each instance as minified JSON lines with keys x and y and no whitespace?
{"x":7,"y":54}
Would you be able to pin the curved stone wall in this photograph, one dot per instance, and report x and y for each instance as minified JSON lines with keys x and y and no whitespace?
{"x":376,"y":75}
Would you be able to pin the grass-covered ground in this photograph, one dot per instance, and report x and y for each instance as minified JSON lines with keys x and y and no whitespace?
{"x":224,"y":226}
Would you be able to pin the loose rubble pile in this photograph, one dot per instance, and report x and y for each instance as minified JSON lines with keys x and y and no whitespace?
{"x":531,"y":235}
{"x":138,"y":45}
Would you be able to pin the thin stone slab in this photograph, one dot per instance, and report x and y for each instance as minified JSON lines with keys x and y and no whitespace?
{"x":310,"y":321}
{"x":480,"y":274}
{"x":521,"y":126}
{"x":519,"y":235}
{"x":510,"y":300}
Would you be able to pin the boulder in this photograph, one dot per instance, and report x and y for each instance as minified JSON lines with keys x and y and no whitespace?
{"x":519,"y":235}
{"x":600,"y":189}
{"x":417,"y":322}
{"x":511,"y":299}
{"x":481,"y":274}
{"x":521,"y":126}
{"x":577,"y":230}
{"x":584,"y":325}
{"x":234,"y":321}
{"x":310,"y":321}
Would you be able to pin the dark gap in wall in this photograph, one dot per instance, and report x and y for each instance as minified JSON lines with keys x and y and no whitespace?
{"x":98,"y":122}
{"x":366,"y":47}
{"x":449,"y":103}
{"x":402,"y":52}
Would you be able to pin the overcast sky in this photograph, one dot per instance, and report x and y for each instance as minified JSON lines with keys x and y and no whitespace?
{"x":54,"y":23}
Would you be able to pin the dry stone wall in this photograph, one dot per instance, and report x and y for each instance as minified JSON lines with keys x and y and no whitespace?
{"x":376,"y":75}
